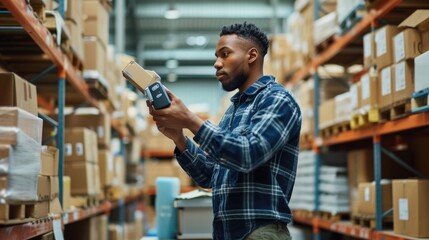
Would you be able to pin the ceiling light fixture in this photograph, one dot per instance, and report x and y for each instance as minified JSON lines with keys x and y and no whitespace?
{"x":171,"y":13}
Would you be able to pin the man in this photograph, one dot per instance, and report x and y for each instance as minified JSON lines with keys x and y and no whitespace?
{"x":250,"y":159}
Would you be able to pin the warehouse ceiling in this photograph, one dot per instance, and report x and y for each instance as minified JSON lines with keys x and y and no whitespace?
{"x":184,"y":47}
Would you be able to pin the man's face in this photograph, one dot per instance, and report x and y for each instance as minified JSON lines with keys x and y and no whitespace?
{"x":231,"y":65}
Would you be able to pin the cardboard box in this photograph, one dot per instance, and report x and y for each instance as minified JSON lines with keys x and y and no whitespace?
{"x":55,"y":206}
{"x":99,"y":123}
{"x":96,"y":21}
{"x":369,"y":92}
{"x":95,"y":55}
{"x":49,"y":161}
{"x":420,"y":21}
{"x":410,"y":208}
{"x":81,"y":177}
{"x":407,"y":44}
{"x":327,"y":113}
{"x":367,"y":197}
{"x":385,"y":83}
{"x":360,"y":169}
{"x":368,"y":50}
{"x":119,"y":171}
{"x":105,"y":163}
{"x":80,"y":145}
{"x":403,"y":85}
{"x":421,"y":72}
{"x":138,"y":76}
{"x":17,"y":92}
{"x":55,"y":187}
{"x":384,"y":45}
{"x":43,"y":188}
{"x":343,"y":112}
{"x":14,"y":119}
{"x":355,"y":97}
{"x":76,"y":37}
{"x":74,"y":12}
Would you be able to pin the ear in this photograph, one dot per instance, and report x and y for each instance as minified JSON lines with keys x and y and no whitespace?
{"x":252,"y":54}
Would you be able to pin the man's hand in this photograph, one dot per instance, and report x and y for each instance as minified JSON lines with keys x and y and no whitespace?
{"x":176,"y":116}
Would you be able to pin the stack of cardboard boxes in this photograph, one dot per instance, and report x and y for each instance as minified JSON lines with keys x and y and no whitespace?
{"x":28,"y":176}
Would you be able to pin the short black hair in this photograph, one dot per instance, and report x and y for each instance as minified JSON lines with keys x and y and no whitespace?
{"x":250,"y":32}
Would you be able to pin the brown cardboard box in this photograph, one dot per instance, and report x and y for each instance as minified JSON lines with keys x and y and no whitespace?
{"x":419,"y":20}
{"x":96,"y":21}
{"x":355,"y":97}
{"x":369,"y":92}
{"x":384,"y":45}
{"x":116,"y":232}
{"x":407,"y":44}
{"x":76,"y":38}
{"x":17,"y":92}
{"x":403,"y":85}
{"x":138,"y":76}
{"x":327,"y":113}
{"x":96,"y":179}
{"x":43,"y":188}
{"x":410,"y":208}
{"x":343,"y":111}
{"x":367,"y":197}
{"x":55,"y":206}
{"x":119,"y":171}
{"x":385,"y":82}
{"x":81,"y":177}
{"x":49,"y":161}
{"x":368,"y":50}
{"x":55,"y":188}
{"x":95,"y":55}
{"x":360,"y":168}
{"x":103,"y":223}
{"x":14,"y":118}
{"x":105,"y":163}
{"x":74,"y":12}
{"x":99,"y":123}
{"x":80,"y":145}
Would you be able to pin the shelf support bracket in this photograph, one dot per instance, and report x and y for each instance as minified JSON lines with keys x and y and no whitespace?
{"x":43,"y":73}
{"x":377,"y":178}
{"x":402,"y":163}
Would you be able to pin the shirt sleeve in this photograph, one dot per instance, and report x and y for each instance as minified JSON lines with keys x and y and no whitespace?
{"x":276,"y":119}
{"x":196,"y":164}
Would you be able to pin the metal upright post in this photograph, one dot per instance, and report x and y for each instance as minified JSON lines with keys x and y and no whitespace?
{"x":377,"y":176}
{"x":316,"y":231}
{"x":62,"y":6}
{"x":60,"y":130}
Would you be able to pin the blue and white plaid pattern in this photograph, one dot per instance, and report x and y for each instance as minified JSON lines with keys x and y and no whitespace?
{"x":249,"y":160}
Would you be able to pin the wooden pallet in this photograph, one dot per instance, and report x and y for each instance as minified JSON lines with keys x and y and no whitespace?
{"x":334,"y":217}
{"x":39,"y":9}
{"x":400,"y":109}
{"x":369,"y":221}
{"x":85,"y":201}
{"x":420,"y":101}
{"x":16,"y":213}
{"x":335,"y":129}
{"x":306,"y":138}
{"x":304,"y":213}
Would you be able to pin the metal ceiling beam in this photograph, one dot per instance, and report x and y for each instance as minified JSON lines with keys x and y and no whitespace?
{"x":206,"y":71}
{"x":180,"y":54}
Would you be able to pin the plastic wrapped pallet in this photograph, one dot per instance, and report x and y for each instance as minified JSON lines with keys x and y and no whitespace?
{"x":20,"y":151}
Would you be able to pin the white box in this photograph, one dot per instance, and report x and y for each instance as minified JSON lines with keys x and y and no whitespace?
{"x":421,"y":72}
{"x":195,"y":218}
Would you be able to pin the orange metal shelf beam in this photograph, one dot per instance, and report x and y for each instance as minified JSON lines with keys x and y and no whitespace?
{"x":40,"y":34}
{"x":403,"y":124}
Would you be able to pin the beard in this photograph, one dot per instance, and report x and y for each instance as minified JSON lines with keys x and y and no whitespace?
{"x":236,"y":82}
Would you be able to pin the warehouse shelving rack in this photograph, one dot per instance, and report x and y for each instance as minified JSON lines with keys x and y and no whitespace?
{"x":379,"y":9}
{"x":66,"y":72}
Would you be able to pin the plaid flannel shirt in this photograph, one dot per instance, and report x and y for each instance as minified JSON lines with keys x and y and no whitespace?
{"x":249,"y":160}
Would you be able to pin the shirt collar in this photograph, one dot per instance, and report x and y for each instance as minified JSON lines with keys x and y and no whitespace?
{"x":257,"y":86}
